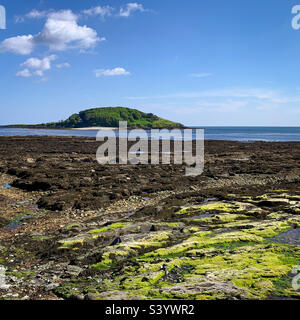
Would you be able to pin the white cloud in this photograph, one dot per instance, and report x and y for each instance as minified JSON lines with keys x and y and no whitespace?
{"x":36,"y":67}
{"x":130,"y":8}
{"x":99,"y":11}
{"x":111,"y":72}
{"x":36,"y":14}
{"x":63,"y":15}
{"x":41,"y":64}
{"x":201,"y":75}
{"x":24,"y":73}
{"x":61,"y":32}
{"x":33,"y":14}
{"x":19,"y":45}
{"x":63,"y":65}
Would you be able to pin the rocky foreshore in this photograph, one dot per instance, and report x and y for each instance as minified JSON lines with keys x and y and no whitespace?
{"x":73,"y":229}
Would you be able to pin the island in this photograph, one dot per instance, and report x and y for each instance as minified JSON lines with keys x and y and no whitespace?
{"x":106,"y":117}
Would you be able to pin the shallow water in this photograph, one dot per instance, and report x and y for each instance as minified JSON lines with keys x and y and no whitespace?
{"x":202,"y":216}
{"x":211,"y":133}
{"x":241,"y":159}
{"x":210,"y":199}
{"x":131,"y":214}
{"x":14,"y":224}
{"x":291,"y":236}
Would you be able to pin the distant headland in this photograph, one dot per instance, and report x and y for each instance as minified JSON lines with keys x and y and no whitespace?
{"x":108,"y":117}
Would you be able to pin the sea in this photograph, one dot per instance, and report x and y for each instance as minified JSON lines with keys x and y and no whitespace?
{"x":246,"y":134}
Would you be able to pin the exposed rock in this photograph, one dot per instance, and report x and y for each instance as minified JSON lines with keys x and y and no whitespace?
{"x":231,"y":233}
{"x":51,"y":286}
{"x":116,"y":241}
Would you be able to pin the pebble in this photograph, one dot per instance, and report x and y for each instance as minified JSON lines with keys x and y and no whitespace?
{"x":51,"y":286}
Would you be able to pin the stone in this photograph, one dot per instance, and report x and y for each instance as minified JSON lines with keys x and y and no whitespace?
{"x":51,"y":286}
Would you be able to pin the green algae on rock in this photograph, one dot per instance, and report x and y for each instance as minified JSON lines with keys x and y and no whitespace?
{"x":111,"y":227}
{"x":230,"y":255}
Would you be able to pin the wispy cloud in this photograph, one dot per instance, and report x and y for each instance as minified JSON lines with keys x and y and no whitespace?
{"x":25,"y":73}
{"x":111,"y":72}
{"x":33,"y":14}
{"x":105,"y":11}
{"x":101,"y":11}
{"x":255,"y":93}
{"x":227,"y":105}
{"x":63,"y":65}
{"x":228,"y":100}
{"x":200,"y":75}
{"x":130,"y":8}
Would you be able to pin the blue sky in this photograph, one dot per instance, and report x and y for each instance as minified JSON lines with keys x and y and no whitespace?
{"x":205,"y":63}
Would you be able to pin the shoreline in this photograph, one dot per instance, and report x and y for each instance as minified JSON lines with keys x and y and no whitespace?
{"x":91,"y":128}
{"x":217,"y":133}
{"x":205,"y":140}
{"x":95,"y":128}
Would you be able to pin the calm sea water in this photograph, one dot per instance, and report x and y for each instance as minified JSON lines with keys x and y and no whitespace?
{"x":211,"y":133}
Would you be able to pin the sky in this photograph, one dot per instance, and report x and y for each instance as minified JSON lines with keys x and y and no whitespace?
{"x":198,"y":62}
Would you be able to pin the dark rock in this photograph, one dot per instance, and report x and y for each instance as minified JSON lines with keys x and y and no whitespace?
{"x":116,"y":241}
{"x":270,"y":204}
{"x":153,"y":228}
